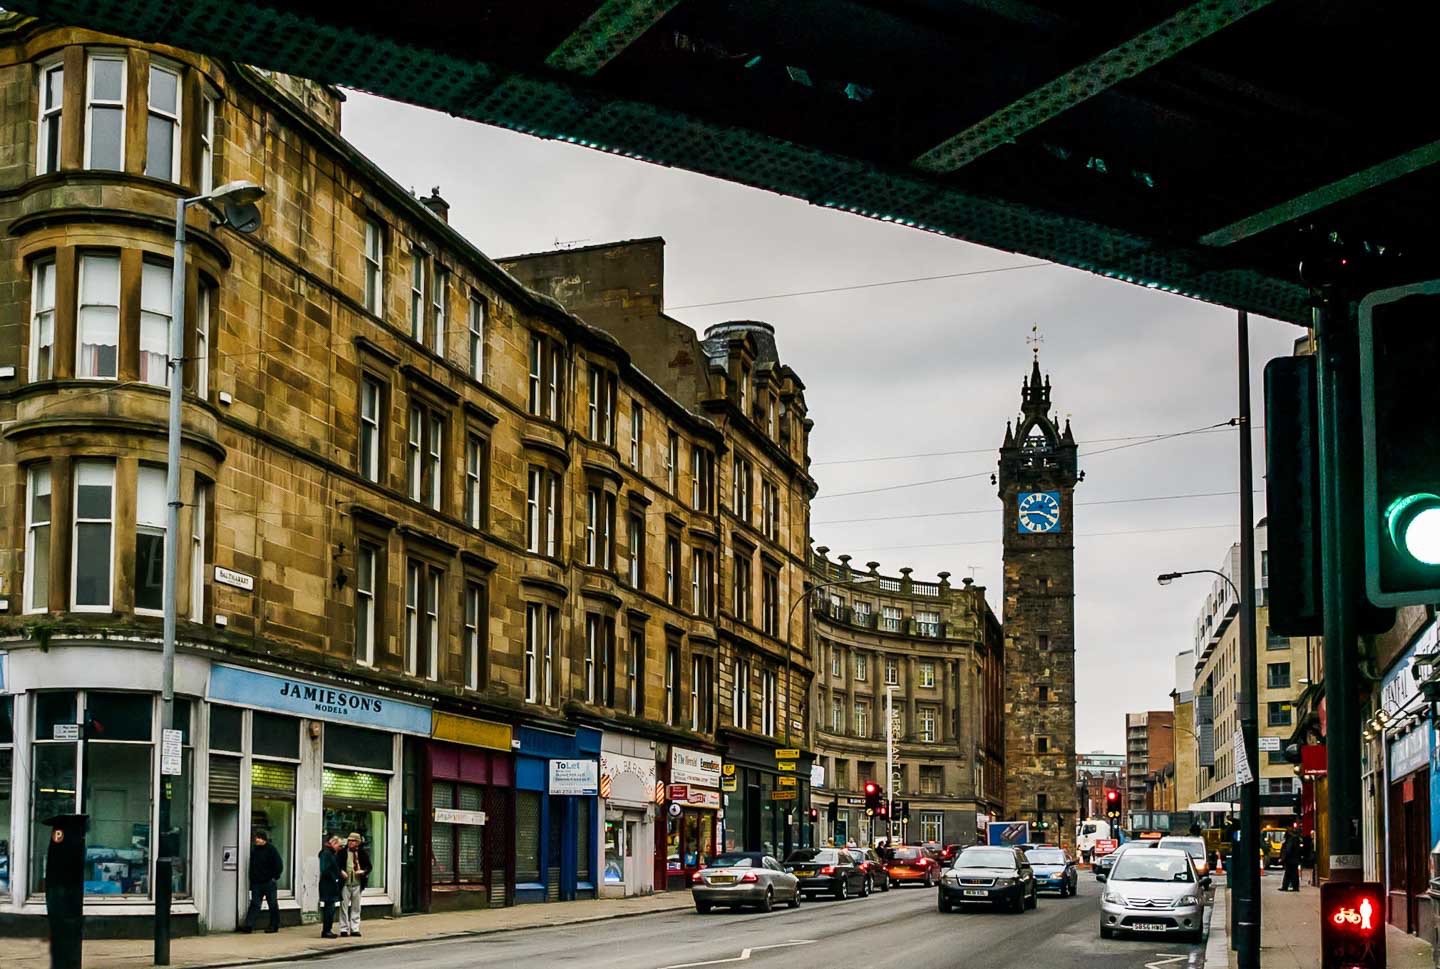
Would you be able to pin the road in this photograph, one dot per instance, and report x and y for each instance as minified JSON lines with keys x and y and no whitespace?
{"x":898,"y":930}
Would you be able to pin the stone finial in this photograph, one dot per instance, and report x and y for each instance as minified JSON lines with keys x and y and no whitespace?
{"x":820,"y":550}
{"x":846,"y":558}
{"x":874,"y":567}
{"x":967,"y":582}
{"x":944,"y":578}
{"x":906,"y":570}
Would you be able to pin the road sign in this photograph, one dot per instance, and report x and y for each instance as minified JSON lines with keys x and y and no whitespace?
{"x":783,"y":795}
{"x":1243,"y":774}
{"x":787,"y":753}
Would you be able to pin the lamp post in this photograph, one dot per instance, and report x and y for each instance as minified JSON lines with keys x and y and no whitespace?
{"x":233,"y":205}
{"x":1246,"y":912}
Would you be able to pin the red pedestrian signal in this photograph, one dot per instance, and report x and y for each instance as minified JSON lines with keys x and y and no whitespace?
{"x":871,"y":788}
{"x":1352,"y":925}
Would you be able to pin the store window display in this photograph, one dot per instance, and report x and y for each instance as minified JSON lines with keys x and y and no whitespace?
{"x":359,"y":764}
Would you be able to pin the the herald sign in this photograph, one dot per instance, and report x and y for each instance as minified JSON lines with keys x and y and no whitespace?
{"x":1352,"y":925}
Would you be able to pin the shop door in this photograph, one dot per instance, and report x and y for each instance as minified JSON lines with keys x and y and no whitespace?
{"x":225,"y":849}
{"x":632,"y":871}
{"x":1417,"y":848}
{"x":554,"y":826}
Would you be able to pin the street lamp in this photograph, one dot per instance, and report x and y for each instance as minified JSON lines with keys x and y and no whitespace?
{"x":232,"y":205}
{"x":1165,"y":578}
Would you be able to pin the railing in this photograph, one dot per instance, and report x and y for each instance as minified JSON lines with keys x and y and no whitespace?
{"x":924,"y":589}
{"x":890,"y":585}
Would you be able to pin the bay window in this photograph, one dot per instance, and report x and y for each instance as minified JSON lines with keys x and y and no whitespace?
{"x":162,"y":129}
{"x":545,"y":366}
{"x":542,"y":509}
{"x":98,"y":317}
{"x":52,"y":106}
{"x":155,"y":299}
{"x":37,"y":539}
{"x":92,"y":546}
{"x":42,"y":320}
{"x":105,"y":112}
{"x":199,"y":526}
{"x":150,"y":520}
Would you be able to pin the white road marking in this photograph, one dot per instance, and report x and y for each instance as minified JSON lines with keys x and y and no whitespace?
{"x":1166,"y":959}
{"x":744,"y":955}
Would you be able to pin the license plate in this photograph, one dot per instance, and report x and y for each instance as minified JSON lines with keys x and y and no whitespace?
{"x":976,"y":893}
{"x":808,"y":874}
{"x":721,"y":879}
{"x":1148,"y":926}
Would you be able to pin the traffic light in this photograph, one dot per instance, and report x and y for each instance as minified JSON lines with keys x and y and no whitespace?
{"x":1292,"y":505}
{"x":1352,"y":925}
{"x":874,"y":797}
{"x":1112,"y":804}
{"x":814,"y":814}
{"x":1399,"y":342}
{"x":832,"y":811}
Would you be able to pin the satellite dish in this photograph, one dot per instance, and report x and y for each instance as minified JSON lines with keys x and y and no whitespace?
{"x":242,"y":217}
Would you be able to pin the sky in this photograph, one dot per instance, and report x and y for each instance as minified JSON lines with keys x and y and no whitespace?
{"x":928,"y":367}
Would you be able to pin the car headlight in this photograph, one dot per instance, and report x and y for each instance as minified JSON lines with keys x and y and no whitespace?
{"x":1004,"y":882}
{"x":1114,"y":898}
{"x":1188,"y":900}
{"x":950,"y":876}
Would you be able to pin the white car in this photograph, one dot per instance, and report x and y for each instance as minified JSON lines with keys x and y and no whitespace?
{"x":1155,"y":892}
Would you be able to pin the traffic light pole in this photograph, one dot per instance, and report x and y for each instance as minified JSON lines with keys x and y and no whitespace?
{"x":1337,"y":395}
{"x":1247,"y":901}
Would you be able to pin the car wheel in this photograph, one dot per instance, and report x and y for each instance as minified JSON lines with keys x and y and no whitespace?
{"x":703,"y":908}
{"x":1034,"y":898}
{"x":944,"y":903}
{"x":929,"y":881}
{"x":769,"y":904}
{"x":843,"y":892}
{"x":1018,"y":906}
{"x":868,"y":888}
{"x":795,"y":902}
{"x":885,"y":884}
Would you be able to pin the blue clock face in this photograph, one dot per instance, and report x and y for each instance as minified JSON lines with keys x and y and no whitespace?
{"x":1039,"y":512}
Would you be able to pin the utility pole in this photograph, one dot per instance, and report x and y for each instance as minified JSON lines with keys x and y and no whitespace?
{"x":1247,"y":916}
{"x":889,"y":764}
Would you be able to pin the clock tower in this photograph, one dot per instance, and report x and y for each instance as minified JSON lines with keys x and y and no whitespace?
{"x":1037,"y":478}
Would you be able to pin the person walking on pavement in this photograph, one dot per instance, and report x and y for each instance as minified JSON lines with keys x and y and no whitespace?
{"x":1290,"y":859}
{"x":355,"y":866}
{"x":265,"y":870}
{"x":331,"y":878}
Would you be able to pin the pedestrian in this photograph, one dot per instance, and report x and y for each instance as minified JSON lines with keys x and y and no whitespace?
{"x":1290,"y":859}
{"x":355,"y":867}
{"x":331,"y":878}
{"x":265,"y":870}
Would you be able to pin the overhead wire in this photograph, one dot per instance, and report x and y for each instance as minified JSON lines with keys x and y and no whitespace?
{"x":851,"y":288}
{"x":995,"y":511}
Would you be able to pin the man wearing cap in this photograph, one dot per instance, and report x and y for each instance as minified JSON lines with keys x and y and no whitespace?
{"x":355,"y":869}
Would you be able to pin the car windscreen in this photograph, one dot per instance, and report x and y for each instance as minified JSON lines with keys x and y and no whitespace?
{"x":1195,"y":849}
{"x":823,"y":856}
{"x":907,"y":854}
{"x":1045,"y":856}
{"x":735,"y":861}
{"x":1147,"y":866}
{"x":986,"y":858}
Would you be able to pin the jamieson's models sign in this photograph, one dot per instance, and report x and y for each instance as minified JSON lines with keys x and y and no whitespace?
{"x":307,"y":698}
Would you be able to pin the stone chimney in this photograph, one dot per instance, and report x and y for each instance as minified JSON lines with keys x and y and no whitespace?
{"x":438,"y":205}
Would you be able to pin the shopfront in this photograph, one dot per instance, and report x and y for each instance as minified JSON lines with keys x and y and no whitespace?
{"x":767,"y":810}
{"x":1409,"y":740}
{"x":627,"y":790}
{"x":692,"y":814}
{"x":468,"y":785}
{"x":557,"y":814}
{"x":303,"y":759}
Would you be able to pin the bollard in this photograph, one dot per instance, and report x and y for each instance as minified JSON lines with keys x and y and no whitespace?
{"x":65,"y":889}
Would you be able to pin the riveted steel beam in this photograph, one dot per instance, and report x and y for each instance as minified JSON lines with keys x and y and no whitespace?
{"x":1137,"y":55}
{"x":614,"y":26}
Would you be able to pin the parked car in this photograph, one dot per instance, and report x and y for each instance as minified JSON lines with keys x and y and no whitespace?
{"x":739,"y":878}
{"x":830,"y":871}
{"x":1194,"y":847}
{"x":912,"y":864}
{"x":983,"y":874}
{"x":1155,"y":893}
{"x":1055,"y":871}
{"x":872,"y":866}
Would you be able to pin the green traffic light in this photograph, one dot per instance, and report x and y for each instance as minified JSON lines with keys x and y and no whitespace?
{"x":1414,"y":526}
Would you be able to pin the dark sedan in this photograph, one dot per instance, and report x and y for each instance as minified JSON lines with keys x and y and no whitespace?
{"x":873,"y":868}
{"x":827,"y":871}
{"x":989,"y":875}
{"x":1055,"y":871}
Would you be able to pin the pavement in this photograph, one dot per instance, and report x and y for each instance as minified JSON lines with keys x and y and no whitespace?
{"x":304,"y":942}
{"x":1290,"y":933}
{"x":900,"y":929}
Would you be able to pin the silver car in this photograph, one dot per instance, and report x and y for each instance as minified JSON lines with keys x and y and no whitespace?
{"x":739,"y":878}
{"x":1155,"y":892}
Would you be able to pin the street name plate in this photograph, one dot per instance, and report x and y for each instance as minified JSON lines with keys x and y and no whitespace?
{"x":232,"y":578}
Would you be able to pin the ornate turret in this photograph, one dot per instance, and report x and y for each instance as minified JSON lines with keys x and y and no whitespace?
{"x":1036,"y":447}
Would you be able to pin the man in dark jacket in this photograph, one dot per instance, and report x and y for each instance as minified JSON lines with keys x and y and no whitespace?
{"x":355,"y":869}
{"x":265,"y":870}
{"x":1290,"y":858}
{"x":331,"y":878}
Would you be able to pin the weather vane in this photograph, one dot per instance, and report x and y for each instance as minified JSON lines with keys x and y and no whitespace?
{"x":1035,"y":339}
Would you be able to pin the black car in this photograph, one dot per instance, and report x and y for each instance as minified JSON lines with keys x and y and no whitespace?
{"x":828,"y":871}
{"x":872,"y":866}
{"x":988,"y":875}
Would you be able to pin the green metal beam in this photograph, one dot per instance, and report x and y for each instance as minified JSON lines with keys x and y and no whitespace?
{"x":605,"y":34}
{"x":1137,"y":55}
